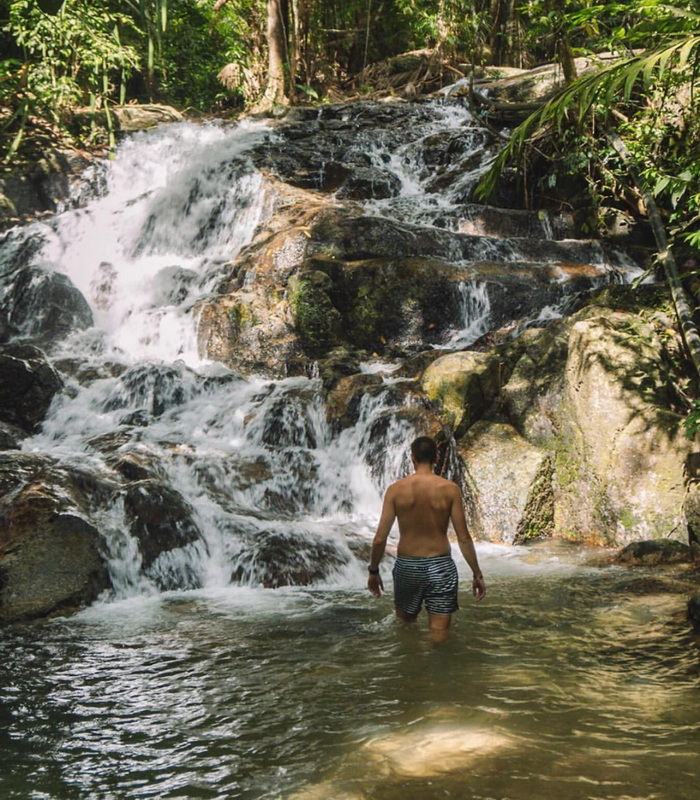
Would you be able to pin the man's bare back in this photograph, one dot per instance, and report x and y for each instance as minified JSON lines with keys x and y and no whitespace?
{"x":424,"y":504}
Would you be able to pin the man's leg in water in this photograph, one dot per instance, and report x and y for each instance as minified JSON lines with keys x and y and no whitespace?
{"x":404,"y":616}
{"x":439,"y":625}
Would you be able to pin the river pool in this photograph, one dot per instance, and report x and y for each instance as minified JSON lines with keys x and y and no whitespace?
{"x":563,"y":683}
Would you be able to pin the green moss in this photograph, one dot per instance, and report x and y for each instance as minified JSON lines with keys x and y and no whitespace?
{"x":241,"y":317}
{"x":537,"y":521}
{"x":318,"y":322}
{"x":627,"y":519}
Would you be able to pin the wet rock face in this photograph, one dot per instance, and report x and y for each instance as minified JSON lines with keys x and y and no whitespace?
{"x":40,"y":189}
{"x":162,"y":521}
{"x":45,"y":306}
{"x":278,"y":559}
{"x":28,"y":384}
{"x":374,"y":240}
{"x":50,"y":552}
{"x":346,"y":148}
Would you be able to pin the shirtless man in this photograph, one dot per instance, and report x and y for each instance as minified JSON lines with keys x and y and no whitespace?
{"x":424,"y":571}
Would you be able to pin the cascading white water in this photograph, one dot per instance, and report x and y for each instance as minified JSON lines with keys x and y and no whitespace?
{"x":273,"y":491}
{"x":178,"y":205}
{"x":476,"y":309}
{"x":254,"y":460}
{"x":420,"y":200}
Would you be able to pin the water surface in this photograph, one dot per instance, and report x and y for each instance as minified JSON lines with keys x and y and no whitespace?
{"x":561,"y":684}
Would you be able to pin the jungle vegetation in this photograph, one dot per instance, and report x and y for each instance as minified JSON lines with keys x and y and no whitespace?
{"x":224,"y":57}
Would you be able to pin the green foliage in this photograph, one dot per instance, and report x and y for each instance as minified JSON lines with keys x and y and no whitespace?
{"x":651,"y":98}
{"x":72,"y":57}
{"x":692,"y":422}
{"x":456,"y":26}
{"x":194,"y":48}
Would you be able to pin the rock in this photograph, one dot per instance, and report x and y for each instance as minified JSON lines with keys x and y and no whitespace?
{"x":621,"y":451}
{"x":316,"y":319}
{"x":50,"y":552}
{"x":465,"y":384}
{"x":532,"y":396}
{"x":126,"y":119}
{"x":28,"y":384}
{"x":384,"y":302}
{"x":161,"y":521}
{"x":339,"y":363}
{"x":11,"y":436}
{"x":343,"y":404}
{"x":277,"y":559}
{"x":694,"y":610}
{"x":54,"y":565}
{"x":501,"y":472}
{"x":45,"y":306}
{"x":481,"y":220}
{"x":153,"y":388}
{"x":654,"y":552}
{"x":41,"y":187}
{"x":691,"y":509}
{"x":369,"y":183}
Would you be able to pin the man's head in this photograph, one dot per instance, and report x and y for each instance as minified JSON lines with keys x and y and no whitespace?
{"x":424,"y":450}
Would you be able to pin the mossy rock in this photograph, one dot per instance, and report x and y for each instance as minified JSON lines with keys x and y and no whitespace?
{"x":653,"y":552}
{"x":465,"y":384}
{"x":316,"y":319}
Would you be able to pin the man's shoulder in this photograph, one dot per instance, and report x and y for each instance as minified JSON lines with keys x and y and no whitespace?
{"x":446,"y":485}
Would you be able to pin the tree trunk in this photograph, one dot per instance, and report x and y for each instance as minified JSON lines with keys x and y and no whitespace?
{"x":277,"y":63}
{"x":502,"y":21}
{"x":565,"y":53}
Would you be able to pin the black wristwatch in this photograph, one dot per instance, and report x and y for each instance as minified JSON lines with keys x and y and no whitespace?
{"x":373,"y":571}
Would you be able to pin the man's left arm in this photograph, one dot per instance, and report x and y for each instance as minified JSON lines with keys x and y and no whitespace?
{"x":466,"y":544}
{"x":386,"y":521}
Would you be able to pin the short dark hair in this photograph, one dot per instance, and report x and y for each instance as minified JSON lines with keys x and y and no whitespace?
{"x":424,"y":450}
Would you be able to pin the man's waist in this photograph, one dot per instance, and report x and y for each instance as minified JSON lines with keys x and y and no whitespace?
{"x":422,"y":557}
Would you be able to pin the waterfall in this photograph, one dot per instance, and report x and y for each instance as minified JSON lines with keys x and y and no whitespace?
{"x":252,"y":483}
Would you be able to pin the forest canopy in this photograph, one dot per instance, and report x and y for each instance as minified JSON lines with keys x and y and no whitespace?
{"x":222,"y":57}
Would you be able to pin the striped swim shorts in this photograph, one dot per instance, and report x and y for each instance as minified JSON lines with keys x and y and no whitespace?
{"x":432,"y":581}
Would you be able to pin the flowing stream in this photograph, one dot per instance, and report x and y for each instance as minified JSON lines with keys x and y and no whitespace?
{"x":204,"y":675}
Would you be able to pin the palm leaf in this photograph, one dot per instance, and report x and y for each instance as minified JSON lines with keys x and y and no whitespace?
{"x":593,"y":91}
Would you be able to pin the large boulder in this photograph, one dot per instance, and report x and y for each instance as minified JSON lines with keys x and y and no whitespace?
{"x":532,"y":395}
{"x":45,"y":306}
{"x":654,"y":552}
{"x":273,"y":559}
{"x":28,"y":384}
{"x":50,"y":553}
{"x":162,"y":522}
{"x":466,"y":384}
{"x":501,"y":471}
{"x":622,"y":451}
{"x":41,"y":187}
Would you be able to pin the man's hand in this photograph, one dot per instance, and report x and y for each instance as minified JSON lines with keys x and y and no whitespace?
{"x":375,"y":585}
{"x":478,"y":587}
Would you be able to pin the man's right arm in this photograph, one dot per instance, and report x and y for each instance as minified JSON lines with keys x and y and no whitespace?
{"x":386,"y":521}
{"x":466,"y":544}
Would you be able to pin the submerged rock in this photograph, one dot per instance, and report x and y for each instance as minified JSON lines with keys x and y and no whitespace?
{"x":653,"y":553}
